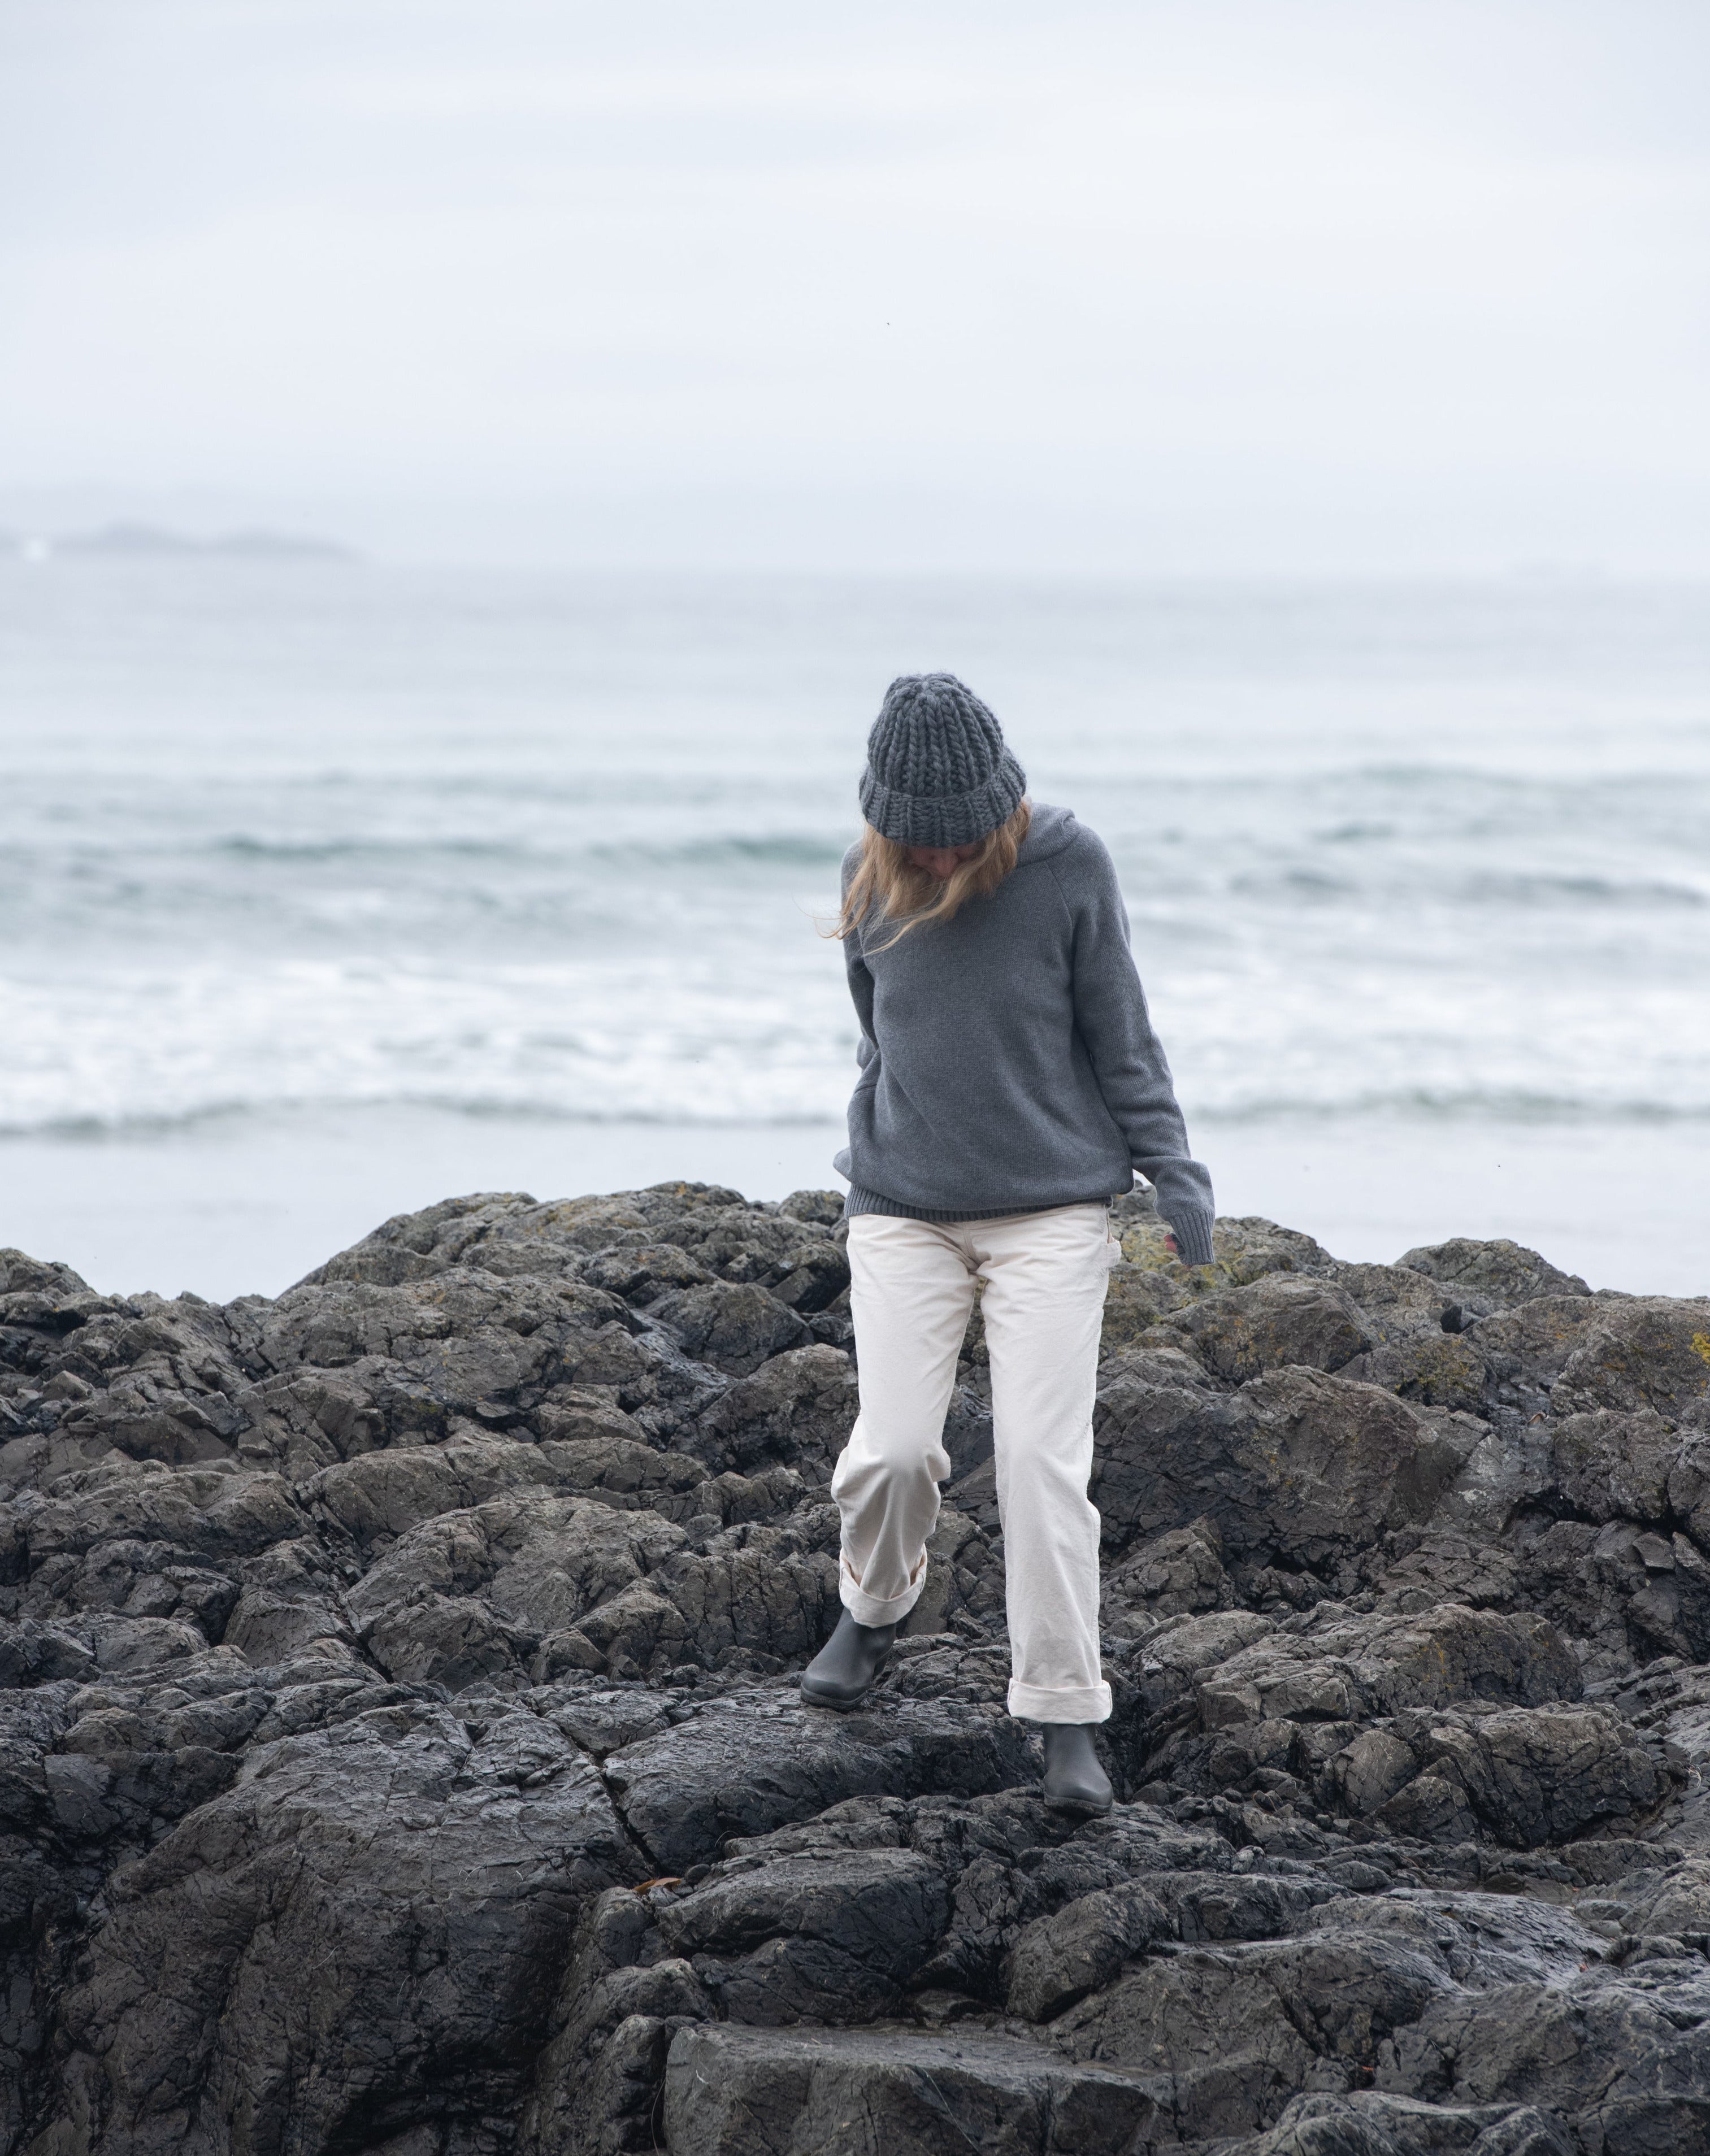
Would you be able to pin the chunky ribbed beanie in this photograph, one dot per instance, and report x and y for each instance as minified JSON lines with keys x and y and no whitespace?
{"x":938,"y":773}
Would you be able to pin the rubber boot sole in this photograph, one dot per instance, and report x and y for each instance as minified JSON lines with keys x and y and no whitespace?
{"x":837,"y":1706}
{"x":1079,"y":1807}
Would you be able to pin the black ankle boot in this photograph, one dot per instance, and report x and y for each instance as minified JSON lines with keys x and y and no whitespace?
{"x":842,"y":1673}
{"x":1074,"y":1780}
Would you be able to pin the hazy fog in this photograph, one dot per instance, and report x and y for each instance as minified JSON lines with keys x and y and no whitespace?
{"x":1220,"y":285}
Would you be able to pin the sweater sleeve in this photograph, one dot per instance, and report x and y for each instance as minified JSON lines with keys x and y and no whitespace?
{"x":1127,"y":1059}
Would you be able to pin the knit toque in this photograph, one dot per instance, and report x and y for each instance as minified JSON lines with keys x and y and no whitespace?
{"x":938,"y":771}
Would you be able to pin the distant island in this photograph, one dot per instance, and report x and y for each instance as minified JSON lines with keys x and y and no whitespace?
{"x":134,"y":542}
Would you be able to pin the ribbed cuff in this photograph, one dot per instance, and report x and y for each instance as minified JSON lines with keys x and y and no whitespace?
{"x":944,"y":820}
{"x":1193,"y":1234}
{"x":1034,"y":1703}
{"x":869,"y":1608}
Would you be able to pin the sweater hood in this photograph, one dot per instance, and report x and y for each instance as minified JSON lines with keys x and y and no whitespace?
{"x":1050,"y":830}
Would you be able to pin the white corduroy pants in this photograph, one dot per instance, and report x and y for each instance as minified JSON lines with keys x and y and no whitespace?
{"x":911,"y":1290}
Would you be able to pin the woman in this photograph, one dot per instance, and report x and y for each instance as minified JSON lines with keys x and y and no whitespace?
{"x":1011,"y":1083}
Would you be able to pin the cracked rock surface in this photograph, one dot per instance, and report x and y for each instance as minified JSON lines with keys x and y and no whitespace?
{"x":401,"y":1754}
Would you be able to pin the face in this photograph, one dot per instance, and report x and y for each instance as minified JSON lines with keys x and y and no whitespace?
{"x":940,"y":861}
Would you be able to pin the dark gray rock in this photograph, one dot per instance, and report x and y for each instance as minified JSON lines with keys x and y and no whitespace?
{"x":1367,"y":2122}
{"x":800,"y":1405}
{"x":401,"y":1752}
{"x":1525,"y":1350}
{"x":250,"y":1979}
{"x":732,"y":2091}
{"x":734,"y":1327}
{"x":1233,"y":2032}
{"x":825,"y":1936}
{"x":1282,"y":1319}
{"x":1622,"y":2058}
{"x":1529,"y":1775}
{"x":1177,"y":1573}
{"x":621,"y":2000}
{"x":472,"y":1593}
{"x":1499,"y":1273}
{"x":1059,"y":1959}
{"x":758,"y":1759}
{"x":1297,"y":1465}
{"x":1638,"y":1353}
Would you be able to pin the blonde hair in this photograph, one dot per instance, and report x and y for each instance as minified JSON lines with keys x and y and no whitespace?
{"x":887,"y":884}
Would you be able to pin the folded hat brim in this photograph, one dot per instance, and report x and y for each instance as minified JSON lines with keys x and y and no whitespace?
{"x":944,"y":820}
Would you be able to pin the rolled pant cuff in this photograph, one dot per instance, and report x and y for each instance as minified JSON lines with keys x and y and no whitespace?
{"x":1083,"y":1703}
{"x":867,"y":1609}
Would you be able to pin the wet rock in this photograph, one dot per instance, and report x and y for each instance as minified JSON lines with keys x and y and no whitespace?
{"x":1236,"y":2032}
{"x":401,"y":1750}
{"x":729,"y":2092}
{"x":1621,"y":2059}
{"x":754,"y":1592}
{"x":1432,"y":1367}
{"x":32,"y":1653}
{"x":1296,"y":1465}
{"x":384,"y":1495}
{"x":801,"y":1405}
{"x":1529,"y":1775}
{"x":1397,"y":1716}
{"x":827,"y":1936}
{"x":213,"y":1512}
{"x":1640,"y":1353}
{"x":621,"y":2000}
{"x":1338,"y":1670}
{"x":1176,"y":1573}
{"x":471,"y":1593}
{"x":467,"y":1339}
{"x":1170,"y":1659}
{"x":1151,"y":1285}
{"x":1279,"y":1320}
{"x":1631,"y":1592}
{"x":1367,"y":2122}
{"x":1012,"y":1863}
{"x":1674,"y":1903}
{"x":735,"y":1328}
{"x":642,"y":1273}
{"x":1525,"y":1350}
{"x":1059,"y":1959}
{"x":1138,"y":1300}
{"x":264,"y":1915}
{"x":1419,"y":1568}
{"x":287,"y":1599}
{"x":758,"y":1759}
{"x":1244,"y":1249}
{"x":1499,"y":1273}
{"x":511,"y":1233}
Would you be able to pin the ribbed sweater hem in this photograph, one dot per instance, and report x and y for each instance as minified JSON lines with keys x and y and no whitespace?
{"x":860,"y":1200}
{"x":1193,"y":1232}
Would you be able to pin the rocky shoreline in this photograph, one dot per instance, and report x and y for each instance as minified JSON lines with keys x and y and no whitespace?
{"x":400,"y":1752}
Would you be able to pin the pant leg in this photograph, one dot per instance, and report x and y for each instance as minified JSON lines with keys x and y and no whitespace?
{"x":1046,"y":1275}
{"x":911,"y":1290}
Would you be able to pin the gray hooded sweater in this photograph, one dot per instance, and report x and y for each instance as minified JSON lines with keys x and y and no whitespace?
{"x":1007,"y":1061}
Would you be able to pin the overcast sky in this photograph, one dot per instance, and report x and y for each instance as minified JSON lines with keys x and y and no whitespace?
{"x":1172,"y":285}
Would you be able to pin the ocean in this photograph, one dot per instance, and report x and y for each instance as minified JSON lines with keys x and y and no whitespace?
{"x":332,"y":888}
